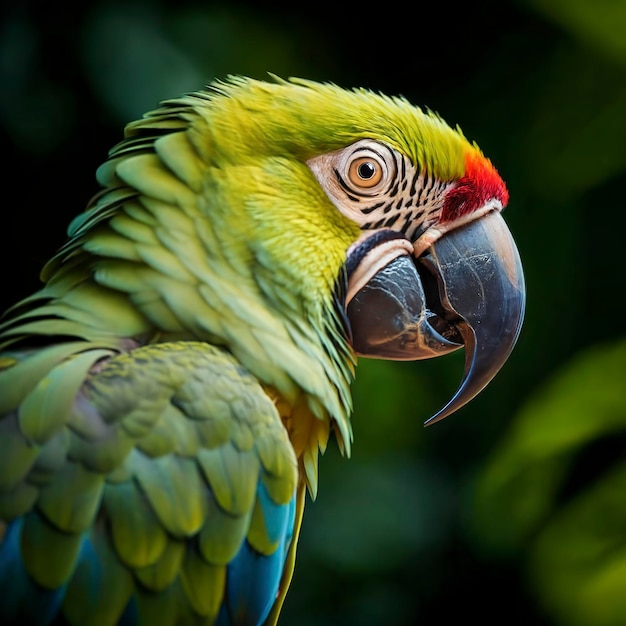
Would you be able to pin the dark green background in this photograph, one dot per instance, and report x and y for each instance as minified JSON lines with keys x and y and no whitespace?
{"x":513,"y":511}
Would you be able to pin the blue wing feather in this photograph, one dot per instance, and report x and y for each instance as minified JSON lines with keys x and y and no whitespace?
{"x":253,"y":578}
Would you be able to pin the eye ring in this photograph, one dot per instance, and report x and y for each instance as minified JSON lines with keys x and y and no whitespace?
{"x":368,"y":168}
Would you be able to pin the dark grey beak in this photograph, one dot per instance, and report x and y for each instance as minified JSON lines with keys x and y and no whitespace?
{"x":480,"y":278}
{"x":466,"y":289}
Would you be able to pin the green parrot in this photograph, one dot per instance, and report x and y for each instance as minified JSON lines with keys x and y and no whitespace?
{"x":166,"y":393}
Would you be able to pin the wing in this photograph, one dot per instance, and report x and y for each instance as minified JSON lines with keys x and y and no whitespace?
{"x":155,"y":487}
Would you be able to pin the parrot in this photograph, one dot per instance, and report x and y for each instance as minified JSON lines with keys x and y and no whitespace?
{"x":167,"y":391}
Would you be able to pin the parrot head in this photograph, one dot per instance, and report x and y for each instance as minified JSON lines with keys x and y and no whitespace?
{"x":435,"y":267}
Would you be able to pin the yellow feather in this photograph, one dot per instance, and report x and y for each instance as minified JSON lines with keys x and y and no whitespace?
{"x":232,"y":476}
{"x":160,"y":575}
{"x":174,"y":489}
{"x":204,"y":584}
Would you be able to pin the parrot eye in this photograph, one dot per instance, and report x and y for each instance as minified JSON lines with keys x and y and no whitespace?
{"x":363,"y":180}
{"x":365,"y":172}
{"x":367,"y":168}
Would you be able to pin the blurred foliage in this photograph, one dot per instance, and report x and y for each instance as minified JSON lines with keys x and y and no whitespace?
{"x":555,"y":486}
{"x":511,"y":511}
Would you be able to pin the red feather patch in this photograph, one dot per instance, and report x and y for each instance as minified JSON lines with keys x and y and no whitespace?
{"x":480,"y":184}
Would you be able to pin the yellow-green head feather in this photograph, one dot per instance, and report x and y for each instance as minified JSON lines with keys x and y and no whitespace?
{"x":305,"y":118}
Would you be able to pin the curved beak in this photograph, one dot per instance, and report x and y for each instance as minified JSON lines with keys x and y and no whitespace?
{"x":467,"y":290}
{"x":481,"y":280}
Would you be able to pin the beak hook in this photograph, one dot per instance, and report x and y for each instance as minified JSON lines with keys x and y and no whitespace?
{"x":481,"y":281}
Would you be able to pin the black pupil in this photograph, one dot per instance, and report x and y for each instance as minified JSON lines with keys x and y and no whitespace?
{"x":366,"y":170}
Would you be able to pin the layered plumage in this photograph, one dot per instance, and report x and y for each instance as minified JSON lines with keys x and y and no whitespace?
{"x":164,"y":396}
